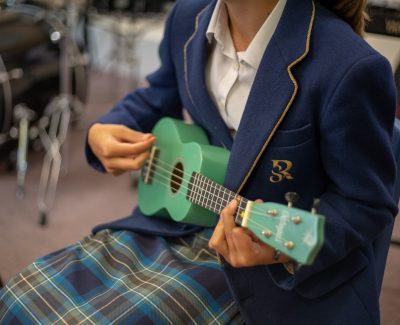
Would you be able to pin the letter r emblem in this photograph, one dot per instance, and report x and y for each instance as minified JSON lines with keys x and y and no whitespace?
{"x":280,"y":171}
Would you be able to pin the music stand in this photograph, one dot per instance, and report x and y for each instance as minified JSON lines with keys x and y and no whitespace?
{"x":53,"y":126}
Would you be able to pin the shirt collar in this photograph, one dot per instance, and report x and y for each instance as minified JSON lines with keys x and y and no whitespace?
{"x":218,"y":29}
{"x":215,"y":22}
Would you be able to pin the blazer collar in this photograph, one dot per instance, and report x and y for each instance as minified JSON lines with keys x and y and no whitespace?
{"x":195,"y":59}
{"x":273,"y":93}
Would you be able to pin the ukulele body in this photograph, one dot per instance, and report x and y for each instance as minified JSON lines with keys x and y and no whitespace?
{"x":182,"y":180}
{"x":181,"y":149}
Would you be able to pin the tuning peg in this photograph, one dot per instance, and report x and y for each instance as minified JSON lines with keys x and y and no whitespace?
{"x":291,"y":198}
{"x":315,"y":206}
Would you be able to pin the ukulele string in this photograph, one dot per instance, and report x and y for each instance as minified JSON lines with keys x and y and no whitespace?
{"x":253,"y":211}
{"x":182,"y":184}
{"x":212,"y":185}
{"x":257,"y":226}
{"x":183,"y":180}
{"x":260,"y":226}
{"x":250,"y":221}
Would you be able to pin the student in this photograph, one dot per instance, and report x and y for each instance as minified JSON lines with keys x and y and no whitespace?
{"x":293,"y":91}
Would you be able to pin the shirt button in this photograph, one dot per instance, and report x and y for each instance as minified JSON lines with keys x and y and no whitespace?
{"x":236,"y":66}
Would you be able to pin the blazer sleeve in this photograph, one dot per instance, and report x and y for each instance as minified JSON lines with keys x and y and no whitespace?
{"x":355,"y":129}
{"x":143,"y":107}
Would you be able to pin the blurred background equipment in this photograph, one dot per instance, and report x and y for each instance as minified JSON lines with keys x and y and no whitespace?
{"x":45,"y":47}
{"x":130,"y":6}
{"x":383,"y":33}
{"x":384,"y":17}
{"x":39,"y":65}
{"x":30,"y":39}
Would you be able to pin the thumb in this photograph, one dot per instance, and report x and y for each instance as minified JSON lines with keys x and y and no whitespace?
{"x":126,"y":134}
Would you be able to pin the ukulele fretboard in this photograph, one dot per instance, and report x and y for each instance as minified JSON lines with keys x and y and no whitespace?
{"x":212,"y":196}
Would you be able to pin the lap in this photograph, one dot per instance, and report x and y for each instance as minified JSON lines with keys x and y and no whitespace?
{"x":122,"y":276}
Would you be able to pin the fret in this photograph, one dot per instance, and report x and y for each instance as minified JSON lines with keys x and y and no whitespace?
{"x":225,"y":197}
{"x":209,"y":194}
{"x":190,"y":191}
{"x":219,"y":199}
{"x":197,"y":197}
{"x":229,"y":197}
{"x":215,"y":197}
{"x":198,"y":189}
{"x":193,"y":188}
{"x":197,"y":193}
{"x":203,"y":192}
{"x":212,"y":196}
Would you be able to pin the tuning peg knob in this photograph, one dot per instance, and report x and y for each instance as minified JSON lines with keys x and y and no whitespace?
{"x":315,"y":206}
{"x":291,"y":198}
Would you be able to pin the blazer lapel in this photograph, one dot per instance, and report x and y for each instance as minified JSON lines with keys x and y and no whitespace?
{"x":273,"y":91}
{"x":195,"y":59}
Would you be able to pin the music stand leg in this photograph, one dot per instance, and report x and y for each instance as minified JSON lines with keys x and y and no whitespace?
{"x":57,"y":120}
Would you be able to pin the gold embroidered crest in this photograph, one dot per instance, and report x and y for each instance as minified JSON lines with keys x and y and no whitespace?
{"x":280,"y":171}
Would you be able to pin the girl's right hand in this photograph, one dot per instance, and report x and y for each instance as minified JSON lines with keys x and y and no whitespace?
{"x":119,"y":148}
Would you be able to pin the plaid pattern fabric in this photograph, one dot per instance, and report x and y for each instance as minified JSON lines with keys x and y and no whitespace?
{"x":122,"y":277}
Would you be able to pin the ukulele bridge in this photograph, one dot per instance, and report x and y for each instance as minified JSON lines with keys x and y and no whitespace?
{"x":149,"y":167}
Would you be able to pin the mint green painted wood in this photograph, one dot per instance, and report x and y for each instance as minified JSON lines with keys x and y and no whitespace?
{"x":307,"y":236}
{"x":186,"y":144}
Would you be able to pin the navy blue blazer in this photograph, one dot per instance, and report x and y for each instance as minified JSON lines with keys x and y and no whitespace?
{"x":322,"y":108}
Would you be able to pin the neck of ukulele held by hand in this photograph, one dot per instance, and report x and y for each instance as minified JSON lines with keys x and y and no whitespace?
{"x":212,"y":196}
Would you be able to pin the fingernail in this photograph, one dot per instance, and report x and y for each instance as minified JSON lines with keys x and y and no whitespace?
{"x":232,"y":204}
{"x":147,"y":136}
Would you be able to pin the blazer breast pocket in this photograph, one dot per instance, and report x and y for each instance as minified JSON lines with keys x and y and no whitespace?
{"x":292,"y":137}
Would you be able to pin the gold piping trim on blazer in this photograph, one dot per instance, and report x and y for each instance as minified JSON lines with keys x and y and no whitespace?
{"x":296,"y":88}
{"x":185,"y":50}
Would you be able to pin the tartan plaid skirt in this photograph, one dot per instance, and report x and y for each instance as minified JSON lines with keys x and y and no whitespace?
{"x":122,"y":277}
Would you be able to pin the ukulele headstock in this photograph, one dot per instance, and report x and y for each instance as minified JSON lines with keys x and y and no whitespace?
{"x":295,"y":232}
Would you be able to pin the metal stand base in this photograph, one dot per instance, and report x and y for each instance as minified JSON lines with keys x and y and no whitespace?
{"x":53,"y":130}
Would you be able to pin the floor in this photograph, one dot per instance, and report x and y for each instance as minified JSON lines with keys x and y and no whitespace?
{"x":85,"y":198}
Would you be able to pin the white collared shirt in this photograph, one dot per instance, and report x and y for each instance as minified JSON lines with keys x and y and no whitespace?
{"x":230,"y":74}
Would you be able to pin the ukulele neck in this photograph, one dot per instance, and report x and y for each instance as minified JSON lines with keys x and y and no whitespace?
{"x":206,"y":193}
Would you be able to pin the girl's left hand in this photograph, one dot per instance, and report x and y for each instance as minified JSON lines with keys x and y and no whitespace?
{"x":238,"y":245}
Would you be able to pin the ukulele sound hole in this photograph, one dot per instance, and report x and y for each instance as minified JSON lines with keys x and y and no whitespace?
{"x":177,"y":177}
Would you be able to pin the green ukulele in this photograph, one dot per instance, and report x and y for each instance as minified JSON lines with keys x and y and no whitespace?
{"x":181,"y":180}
